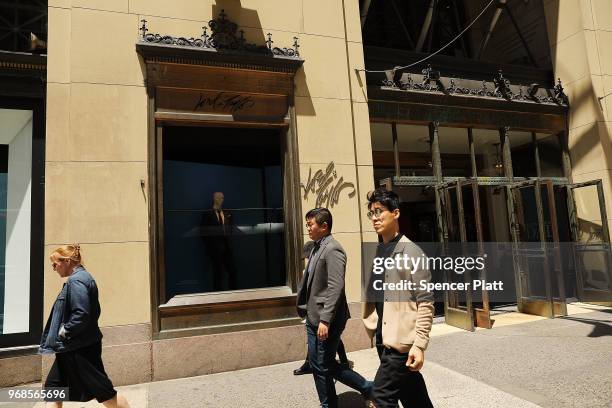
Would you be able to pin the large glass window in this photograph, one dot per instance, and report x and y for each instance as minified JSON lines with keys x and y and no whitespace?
{"x":23,"y":26}
{"x":413,"y":150}
{"x":455,"y":152}
{"x":488,"y":151}
{"x":523,"y":154}
{"x":223,"y":209}
{"x":15,"y":219}
{"x":549,"y":151}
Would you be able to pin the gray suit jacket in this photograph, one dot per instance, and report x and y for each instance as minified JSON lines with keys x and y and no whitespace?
{"x":321,"y":295}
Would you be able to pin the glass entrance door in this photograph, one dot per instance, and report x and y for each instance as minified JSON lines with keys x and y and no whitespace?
{"x":538,"y":274}
{"x":458,"y":310}
{"x":461,"y":224}
{"x":589,"y":224}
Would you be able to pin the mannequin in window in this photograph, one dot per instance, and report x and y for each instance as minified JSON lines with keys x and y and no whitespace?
{"x":216,"y":235}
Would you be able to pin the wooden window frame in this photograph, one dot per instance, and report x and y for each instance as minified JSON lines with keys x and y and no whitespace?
{"x":194,"y":314}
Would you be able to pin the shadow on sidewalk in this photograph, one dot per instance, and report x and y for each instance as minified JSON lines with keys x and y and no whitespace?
{"x":601,"y":328}
{"x":350,"y":399}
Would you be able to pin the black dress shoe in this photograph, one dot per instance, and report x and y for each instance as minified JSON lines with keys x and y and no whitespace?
{"x":304,"y":369}
{"x":346,"y":364}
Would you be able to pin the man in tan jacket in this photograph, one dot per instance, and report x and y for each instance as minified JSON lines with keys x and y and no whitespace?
{"x":399,"y":320}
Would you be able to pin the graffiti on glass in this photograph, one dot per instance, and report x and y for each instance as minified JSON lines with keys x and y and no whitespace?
{"x":326,"y":186}
{"x":224,"y":101}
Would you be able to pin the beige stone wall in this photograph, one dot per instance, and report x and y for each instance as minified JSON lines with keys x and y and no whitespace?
{"x":97,"y":126}
{"x":580,"y":33}
{"x":333,"y":120}
{"x":96,"y":153}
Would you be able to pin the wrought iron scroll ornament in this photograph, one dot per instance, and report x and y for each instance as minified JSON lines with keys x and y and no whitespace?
{"x":223,"y":37}
{"x":502,"y":86}
{"x":430,"y":75}
{"x":432,"y":82}
{"x":559,"y":93}
{"x":326,"y":185}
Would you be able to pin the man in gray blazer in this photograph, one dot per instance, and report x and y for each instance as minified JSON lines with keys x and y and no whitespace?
{"x":322,"y":300}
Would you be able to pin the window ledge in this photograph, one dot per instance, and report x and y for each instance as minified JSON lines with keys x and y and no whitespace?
{"x":228,"y":328}
{"x":225,"y":297}
{"x":19,"y":351}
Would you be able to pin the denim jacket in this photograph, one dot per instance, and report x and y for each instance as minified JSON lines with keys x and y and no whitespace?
{"x":73,"y":321}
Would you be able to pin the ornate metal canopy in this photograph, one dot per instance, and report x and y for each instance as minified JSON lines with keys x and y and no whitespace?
{"x":224,"y":45}
{"x":431,"y":96}
{"x":499,"y":87}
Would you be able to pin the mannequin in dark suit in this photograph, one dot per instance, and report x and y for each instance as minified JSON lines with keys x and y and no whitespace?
{"x":216,"y":226}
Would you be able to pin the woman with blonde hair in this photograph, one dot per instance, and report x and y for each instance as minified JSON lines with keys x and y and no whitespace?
{"x":72,"y":333}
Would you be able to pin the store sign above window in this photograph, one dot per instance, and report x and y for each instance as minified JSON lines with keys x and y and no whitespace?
{"x":237,"y":104}
{"x":326,"y":186}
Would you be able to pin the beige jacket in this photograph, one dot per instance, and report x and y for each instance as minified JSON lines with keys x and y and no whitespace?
{"x":407,"y":317}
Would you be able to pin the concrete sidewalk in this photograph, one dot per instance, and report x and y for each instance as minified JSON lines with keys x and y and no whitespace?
{"x":524,"y":361}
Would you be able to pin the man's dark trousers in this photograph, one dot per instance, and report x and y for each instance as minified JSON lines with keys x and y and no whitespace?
{"x":394,"y":381}
{"x":325,"y":368}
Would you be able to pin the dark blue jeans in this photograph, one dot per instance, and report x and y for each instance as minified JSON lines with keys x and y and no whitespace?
{"x":325,"y":368}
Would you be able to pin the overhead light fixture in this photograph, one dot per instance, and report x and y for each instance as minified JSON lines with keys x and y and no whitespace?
{"x":498,"y":164}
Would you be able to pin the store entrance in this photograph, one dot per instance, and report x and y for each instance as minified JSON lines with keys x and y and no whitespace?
{"x":418,"y":221}
{"x":476,"y":186}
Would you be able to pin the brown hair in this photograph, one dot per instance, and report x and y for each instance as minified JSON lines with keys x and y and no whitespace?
{"x":68,"y":253}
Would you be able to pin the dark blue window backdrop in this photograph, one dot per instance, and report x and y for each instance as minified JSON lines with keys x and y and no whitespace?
{"x":248,"y":249}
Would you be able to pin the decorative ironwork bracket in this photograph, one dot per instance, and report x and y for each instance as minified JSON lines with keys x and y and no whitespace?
{"x":502,"y":86}
{"x":559,"y":94}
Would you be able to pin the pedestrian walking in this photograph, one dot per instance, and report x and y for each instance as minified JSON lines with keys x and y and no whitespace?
{"x":322,"y":301}
{"x":400,"y":322}
{"x":72,"y":333}
{"x":305,"y":368}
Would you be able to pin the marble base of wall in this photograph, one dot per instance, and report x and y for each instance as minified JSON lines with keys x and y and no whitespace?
{"x":126,"y":352}
{"x":19,"y":370}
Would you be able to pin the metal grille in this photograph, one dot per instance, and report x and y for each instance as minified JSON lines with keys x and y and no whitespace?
{"x":483,"y":181}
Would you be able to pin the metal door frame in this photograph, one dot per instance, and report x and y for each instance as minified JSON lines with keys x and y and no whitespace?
{"x":466,"y":317}
{"x":454,"y":314}
{"x":548,"y":306}
{"x":482,"y":316}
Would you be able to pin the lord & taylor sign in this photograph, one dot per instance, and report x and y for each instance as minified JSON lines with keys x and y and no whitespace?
{"x":326,"y":185}
{"x":237,"y":104}
{"x":224,"y":101}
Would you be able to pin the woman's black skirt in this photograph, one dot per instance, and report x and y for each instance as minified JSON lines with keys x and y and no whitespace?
{"x":82,"y":371}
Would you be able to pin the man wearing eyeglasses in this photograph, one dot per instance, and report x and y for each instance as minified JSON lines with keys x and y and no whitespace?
{"x":322,"y":300}
{"x":401,"y":320}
